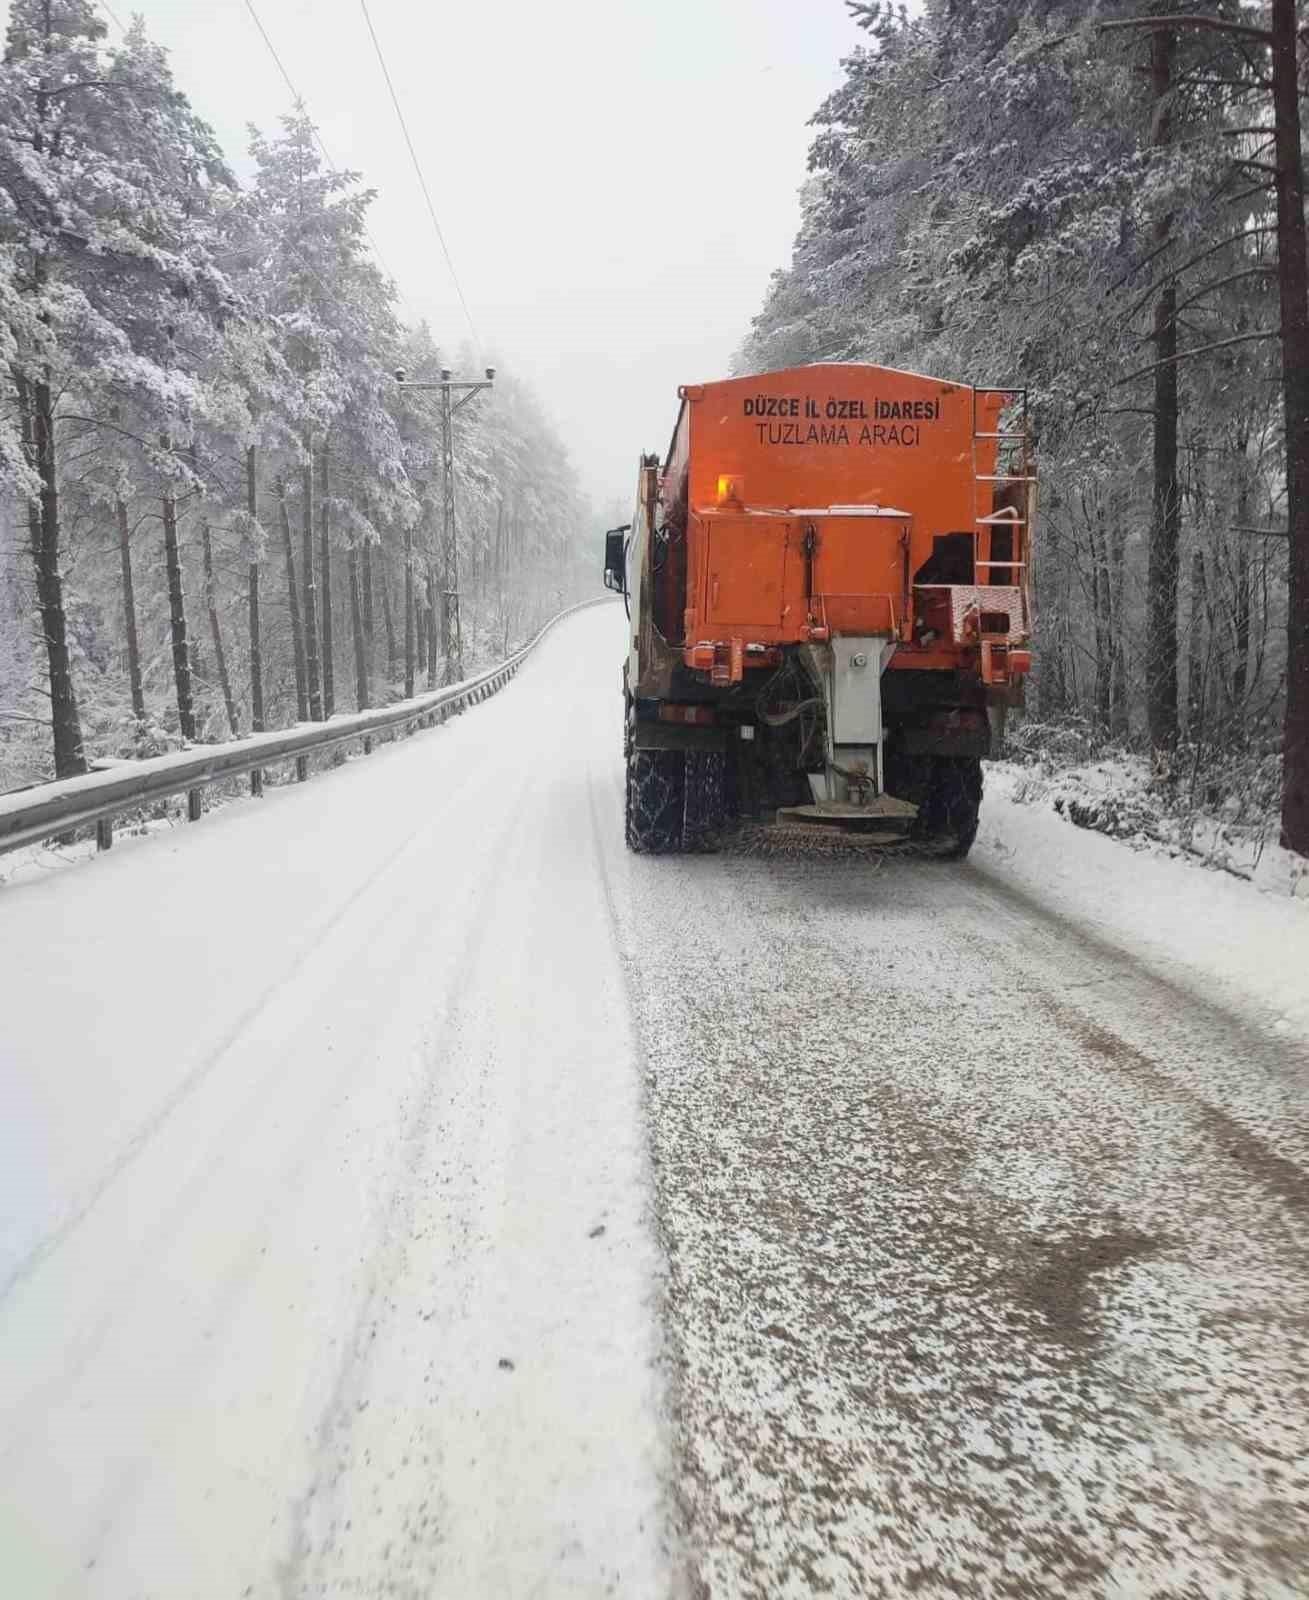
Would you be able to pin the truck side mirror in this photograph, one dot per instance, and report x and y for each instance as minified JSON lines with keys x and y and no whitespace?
{"x":616,"y":559}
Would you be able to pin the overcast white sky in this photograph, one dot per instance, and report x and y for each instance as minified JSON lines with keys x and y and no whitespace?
{"x":616,"y":178}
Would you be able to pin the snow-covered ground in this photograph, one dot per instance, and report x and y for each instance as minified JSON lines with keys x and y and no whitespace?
{"x":1117,"y":795}
{"x":324,"y":1247}
{"x":1243,"y":939}
{"x":405,"y":1191}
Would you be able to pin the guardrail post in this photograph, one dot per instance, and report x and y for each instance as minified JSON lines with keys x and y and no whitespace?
{"x":104,"y":834}
{"x":301,"y":768}
{"x":195,"y":804}
{"x":256,"y":783}
{"x":368,"y":745}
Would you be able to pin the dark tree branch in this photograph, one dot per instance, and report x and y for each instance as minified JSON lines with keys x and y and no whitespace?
{"x":1198,"y":350}
{"x":1223,"y":283}
{"x":1214,"y":24}
{"x":88,"y":83}
{"x":1248,"y":194}
{"x":1185,"y":266}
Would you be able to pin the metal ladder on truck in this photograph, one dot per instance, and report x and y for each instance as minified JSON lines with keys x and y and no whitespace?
{"x":1015,"y":519}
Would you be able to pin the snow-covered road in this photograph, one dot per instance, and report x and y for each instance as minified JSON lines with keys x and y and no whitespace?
{"x":404,"y":1191}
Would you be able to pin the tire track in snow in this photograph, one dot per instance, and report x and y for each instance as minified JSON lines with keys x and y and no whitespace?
{"x":195,"y":1078}
{"x":322,"y":966}
{"x":390,"y":1248}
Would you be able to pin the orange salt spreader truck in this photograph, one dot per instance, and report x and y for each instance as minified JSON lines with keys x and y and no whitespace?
{"x":827,"y":587}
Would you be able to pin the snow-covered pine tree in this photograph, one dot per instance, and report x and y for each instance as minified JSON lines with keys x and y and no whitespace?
{"x":108,"y":173}
{"x":337,"y":326}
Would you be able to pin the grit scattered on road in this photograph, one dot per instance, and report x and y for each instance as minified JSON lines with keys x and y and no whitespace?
{"x":988,"y":1251}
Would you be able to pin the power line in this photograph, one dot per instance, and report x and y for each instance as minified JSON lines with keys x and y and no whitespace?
{"x":272,"y":50}
{"x":110,"y":10}
{"x":422,"y":181}
{"x":303,"y":104}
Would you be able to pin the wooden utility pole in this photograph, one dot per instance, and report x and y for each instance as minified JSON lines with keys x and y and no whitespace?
{"x":451,"y":633}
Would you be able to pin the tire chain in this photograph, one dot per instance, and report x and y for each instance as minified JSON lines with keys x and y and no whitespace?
{"x":655,"y":802}
{"x":706,"y":806}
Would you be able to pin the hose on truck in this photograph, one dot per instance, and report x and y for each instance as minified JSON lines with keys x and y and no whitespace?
{"x":779,"y":719}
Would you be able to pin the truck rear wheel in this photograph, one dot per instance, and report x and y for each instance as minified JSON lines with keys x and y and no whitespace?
{"x":948,"y":811}
{"x":656,"y":800}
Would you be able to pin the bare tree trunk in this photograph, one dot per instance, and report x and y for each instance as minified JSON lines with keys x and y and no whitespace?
{"x":1240,"y":619}
{"x":1166,"y":523}
{"x":36,"y":409}
{"x":1048,"y":683}
{"x":388,"y":621}
{"x":1120,"y":716}
{"x":312,"y":678}
{"x":1103,"y":627}
{"x":1260,"y":638}
{"x":325,"y":573}
{"x":129,"y":613}
{"x":215,"y":629}
{"x":1241,"y":626}
{"x":256,"y":646}
{"x":1293,"y":281}
{"x":177,"y":617}
{"x":252,"y":601}
{"x":366,"y":560}
{"x":293,"y":606}
{"x":1195,"y":649}
{"x":409,"y":614}
{"x":360,"y":637}
{"x":1052,"y":685}
{"x":431,"y":630}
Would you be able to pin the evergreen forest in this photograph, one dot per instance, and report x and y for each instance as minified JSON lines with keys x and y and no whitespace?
{"x":222,"y":511}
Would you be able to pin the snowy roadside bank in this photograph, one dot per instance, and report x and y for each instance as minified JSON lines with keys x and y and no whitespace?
{"x":1118,"y":795}
{"x":1207,"y":928}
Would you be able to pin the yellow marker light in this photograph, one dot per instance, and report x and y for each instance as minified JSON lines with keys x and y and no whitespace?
{"x":731,"y":489}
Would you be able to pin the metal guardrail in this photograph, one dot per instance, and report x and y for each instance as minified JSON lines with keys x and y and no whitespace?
{"x":30,"y":815}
